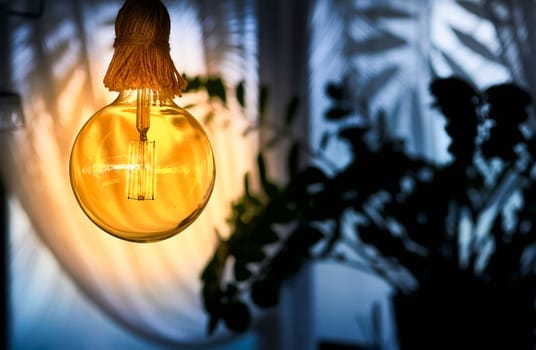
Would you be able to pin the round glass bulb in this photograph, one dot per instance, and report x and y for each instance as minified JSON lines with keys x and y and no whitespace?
{"x":142,"y":168}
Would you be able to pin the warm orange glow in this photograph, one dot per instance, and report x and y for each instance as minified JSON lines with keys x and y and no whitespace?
{"x":142,"y":174}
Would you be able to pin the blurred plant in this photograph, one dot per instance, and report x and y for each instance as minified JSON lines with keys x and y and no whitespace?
{"x":447,"y":236}
{"x":214,"y":90}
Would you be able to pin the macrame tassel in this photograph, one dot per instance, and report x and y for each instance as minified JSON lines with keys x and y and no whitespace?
{"x":141,"y":50}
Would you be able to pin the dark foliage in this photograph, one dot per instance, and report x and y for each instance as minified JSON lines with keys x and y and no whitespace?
{"x":465,"y":293}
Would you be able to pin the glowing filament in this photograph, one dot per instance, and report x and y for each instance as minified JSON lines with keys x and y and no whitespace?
{"x":141,"y":179}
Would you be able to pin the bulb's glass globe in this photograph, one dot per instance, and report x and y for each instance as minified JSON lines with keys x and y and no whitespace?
{"x":142,"y":168}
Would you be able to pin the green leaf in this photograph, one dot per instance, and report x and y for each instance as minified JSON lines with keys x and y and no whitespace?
{"x":246,"y":185}
{"x":303,"y":238}
{"x":214,"y":268}
{"x":279,"y":211}
{"x":265,"y":235}
{"x":241,"y":272}
{"x":213,"y":323}
{"x":240,"y":94}
{"x":216,"y":88}
{"x":261,"y":167}
{"x":194,"y":84}
{"x":335,"y":91}
{"x":236,"y":316}
{"x":211,"y":295}
{"x":292,"y":108}
{"x":265,"y":292}
{"x":285,"y":263}
{"x":314,"y":176}
{"x":338,"y":113}
{"x":231,"y":291}
{"x":269,"y":187}
{"x":246,"y":251}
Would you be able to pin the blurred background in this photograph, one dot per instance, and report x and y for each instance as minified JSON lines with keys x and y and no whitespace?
{"x":70,"y":286}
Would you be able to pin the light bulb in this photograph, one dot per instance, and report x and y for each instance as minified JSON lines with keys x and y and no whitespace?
{"x":142,"y":168}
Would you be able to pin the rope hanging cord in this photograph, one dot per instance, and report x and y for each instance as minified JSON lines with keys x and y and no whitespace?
{"x":141,"y":56}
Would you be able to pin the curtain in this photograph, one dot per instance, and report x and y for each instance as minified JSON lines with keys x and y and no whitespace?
{"x":57,"y":62}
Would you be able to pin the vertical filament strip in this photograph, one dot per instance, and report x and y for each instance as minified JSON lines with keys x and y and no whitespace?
{"x":141,"y":172}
